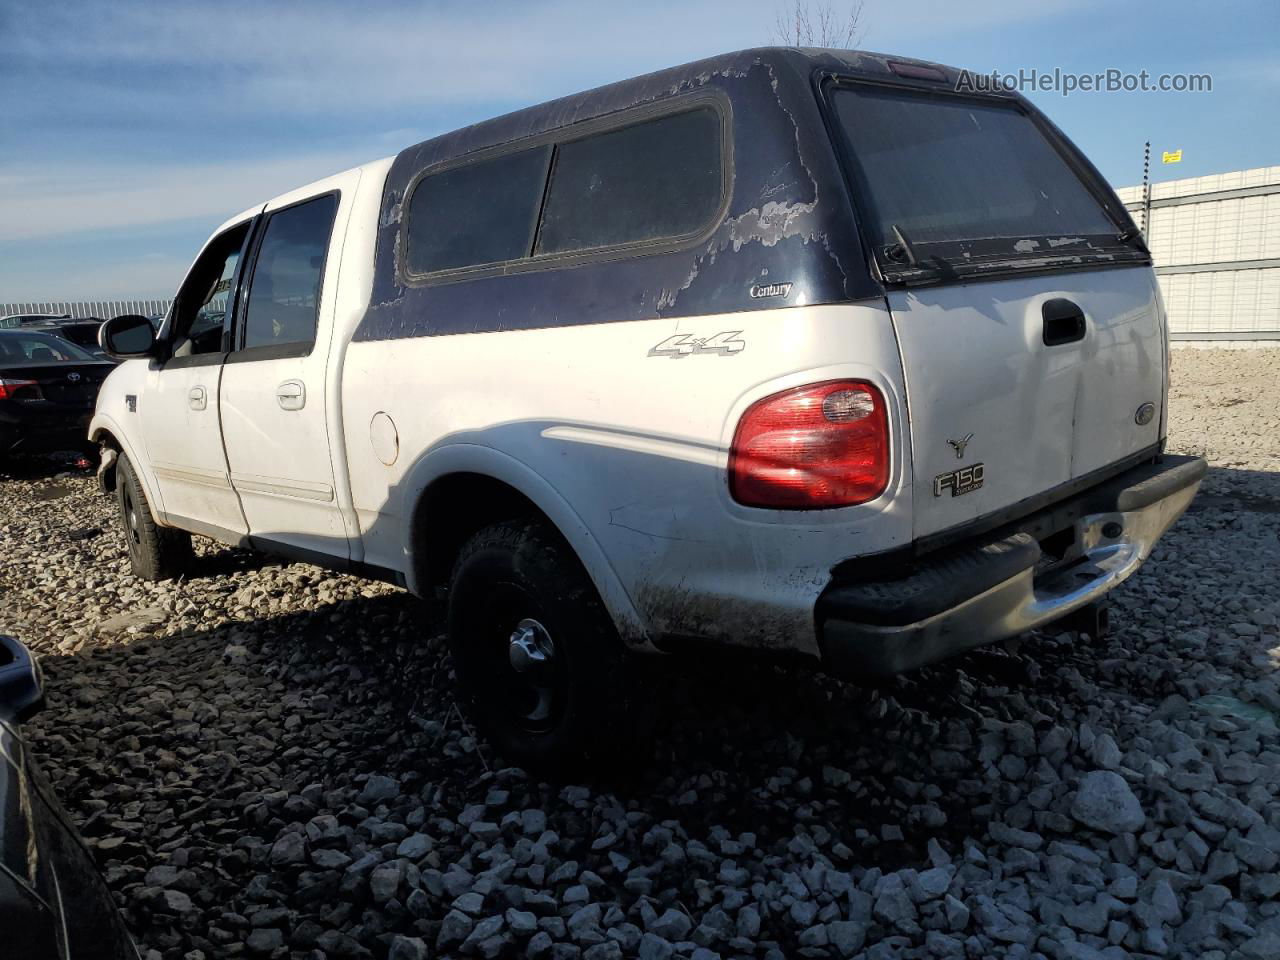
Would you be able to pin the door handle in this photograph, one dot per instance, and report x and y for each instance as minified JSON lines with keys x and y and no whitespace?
{"x":1063,"y":322}
{"x":291,"y":395}
{"x":196,"y":398}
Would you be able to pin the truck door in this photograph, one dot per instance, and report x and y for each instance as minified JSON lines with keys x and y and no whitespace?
{"x":179,"y":410}
{"x":274,"y":395}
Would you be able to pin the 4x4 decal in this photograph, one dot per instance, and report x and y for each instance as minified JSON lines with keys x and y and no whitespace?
{"x":683,"y":345}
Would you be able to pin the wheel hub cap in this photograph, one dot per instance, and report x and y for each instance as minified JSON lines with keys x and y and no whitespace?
{"x":530,"y":647}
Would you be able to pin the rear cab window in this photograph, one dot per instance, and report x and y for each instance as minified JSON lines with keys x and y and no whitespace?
{"x":40,"y":348}
{"x":950,"y":186}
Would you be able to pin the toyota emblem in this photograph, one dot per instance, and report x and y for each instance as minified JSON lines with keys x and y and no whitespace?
{"x":73,"y":377}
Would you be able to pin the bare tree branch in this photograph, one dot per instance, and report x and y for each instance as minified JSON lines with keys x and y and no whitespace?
{"x":801,"y":24}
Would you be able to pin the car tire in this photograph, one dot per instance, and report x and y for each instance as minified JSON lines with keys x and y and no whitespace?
{"x":155,"y":552}
{"x":560,"y":703}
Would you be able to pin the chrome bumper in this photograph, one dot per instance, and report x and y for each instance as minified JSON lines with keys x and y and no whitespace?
{"x":1115,"y":528}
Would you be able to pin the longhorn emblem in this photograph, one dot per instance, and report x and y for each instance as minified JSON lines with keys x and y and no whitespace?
{"x":959,"y":445}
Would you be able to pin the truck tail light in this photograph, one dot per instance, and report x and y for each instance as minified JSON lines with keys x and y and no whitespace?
{"x":9,"y":389}
{"x":821,"y":445}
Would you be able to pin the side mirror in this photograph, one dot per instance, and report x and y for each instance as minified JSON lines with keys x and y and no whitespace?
{"x":21,"y":692}
{"x":127,"y":336}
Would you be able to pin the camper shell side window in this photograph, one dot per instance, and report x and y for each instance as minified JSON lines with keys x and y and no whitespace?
{"x":649,"y":179}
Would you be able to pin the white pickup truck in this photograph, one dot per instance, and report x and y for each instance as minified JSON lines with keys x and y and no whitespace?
{"x":793,"y":350}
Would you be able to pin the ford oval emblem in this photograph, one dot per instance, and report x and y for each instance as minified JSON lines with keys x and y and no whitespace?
{"x":1145,"y":414}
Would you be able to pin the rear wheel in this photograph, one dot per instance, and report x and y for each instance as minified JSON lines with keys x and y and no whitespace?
{"x":155,"y":552}
{"x":538,"y":660}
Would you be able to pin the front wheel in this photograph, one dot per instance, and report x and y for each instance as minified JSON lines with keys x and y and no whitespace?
{"x":538,"y":660}
{"x":155,"y":552}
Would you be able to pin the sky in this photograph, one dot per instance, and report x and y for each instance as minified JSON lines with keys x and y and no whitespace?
{"x":130,"y":129}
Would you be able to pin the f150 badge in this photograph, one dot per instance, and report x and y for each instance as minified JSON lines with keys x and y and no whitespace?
{"x":964,"y":480}
{"x":683,"y":345}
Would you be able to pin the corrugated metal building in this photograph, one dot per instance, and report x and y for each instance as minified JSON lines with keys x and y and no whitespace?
{"x":1216,"y":244}
{"x":102,"y":309}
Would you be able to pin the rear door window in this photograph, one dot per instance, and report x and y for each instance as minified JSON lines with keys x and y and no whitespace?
{"x":961,"y":179}
{"x":284,"y":294}
{"x":655,"y":180}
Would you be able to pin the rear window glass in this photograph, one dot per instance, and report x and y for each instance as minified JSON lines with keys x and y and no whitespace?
{"x":943,"y":168}
{"x":653,"y":180}
{"x":284,"y":294}
{"x":483,"y":212}
{"x":40,"y":348}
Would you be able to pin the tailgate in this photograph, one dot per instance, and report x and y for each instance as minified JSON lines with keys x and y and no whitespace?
{"x":997,"y":413}
{"x":1023,"y":300}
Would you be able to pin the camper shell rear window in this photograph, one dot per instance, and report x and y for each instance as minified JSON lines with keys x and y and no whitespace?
{"x":948,"y":185}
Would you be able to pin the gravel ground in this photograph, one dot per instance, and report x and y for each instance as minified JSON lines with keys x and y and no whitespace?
{"x":268,"y":762}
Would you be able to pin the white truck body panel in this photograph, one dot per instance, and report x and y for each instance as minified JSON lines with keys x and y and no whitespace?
{"x":1035,"y":416}
{"x":183,"y":440}
{"x":639,"y":447}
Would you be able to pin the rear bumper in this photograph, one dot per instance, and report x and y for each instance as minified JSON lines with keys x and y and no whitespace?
{"x":39,"y":425}
{"x":1005,"y":583}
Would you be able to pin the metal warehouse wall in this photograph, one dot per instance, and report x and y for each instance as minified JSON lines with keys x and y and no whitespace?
{"x":103,"y":309}
{"x":1216,"y":244}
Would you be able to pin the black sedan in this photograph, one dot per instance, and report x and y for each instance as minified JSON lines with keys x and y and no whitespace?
{"x":48,"y":387}
{"x":53,"y":903}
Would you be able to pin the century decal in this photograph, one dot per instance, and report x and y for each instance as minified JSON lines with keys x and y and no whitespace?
{"x":760,"y":291}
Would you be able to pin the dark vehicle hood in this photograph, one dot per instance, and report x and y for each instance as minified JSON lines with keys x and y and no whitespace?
{"x":49,"y":884}
{"x":26,"y":888}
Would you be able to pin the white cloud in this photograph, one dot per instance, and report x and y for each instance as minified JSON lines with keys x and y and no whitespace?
{"x":253,"y":65}
{"x":321,"y":57}
{"x":63,"y":199}
{"x":324,"y":56}
{"x":154,"y":276}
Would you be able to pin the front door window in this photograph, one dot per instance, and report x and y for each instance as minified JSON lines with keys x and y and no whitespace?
{"x":200,"y":311}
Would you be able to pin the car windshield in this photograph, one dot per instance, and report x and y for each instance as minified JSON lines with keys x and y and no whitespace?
{"x":17,"y":347}
{"x":965,"y":178}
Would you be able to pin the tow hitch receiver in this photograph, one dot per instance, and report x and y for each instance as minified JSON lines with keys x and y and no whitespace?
{"x":1093,"y":619}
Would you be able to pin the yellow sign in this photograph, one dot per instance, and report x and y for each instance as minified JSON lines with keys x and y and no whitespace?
{"x":1171,"y":156}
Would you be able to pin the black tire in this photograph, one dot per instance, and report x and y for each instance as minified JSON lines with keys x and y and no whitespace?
{"x":155,"y":552}
{"x":567,"y":711}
